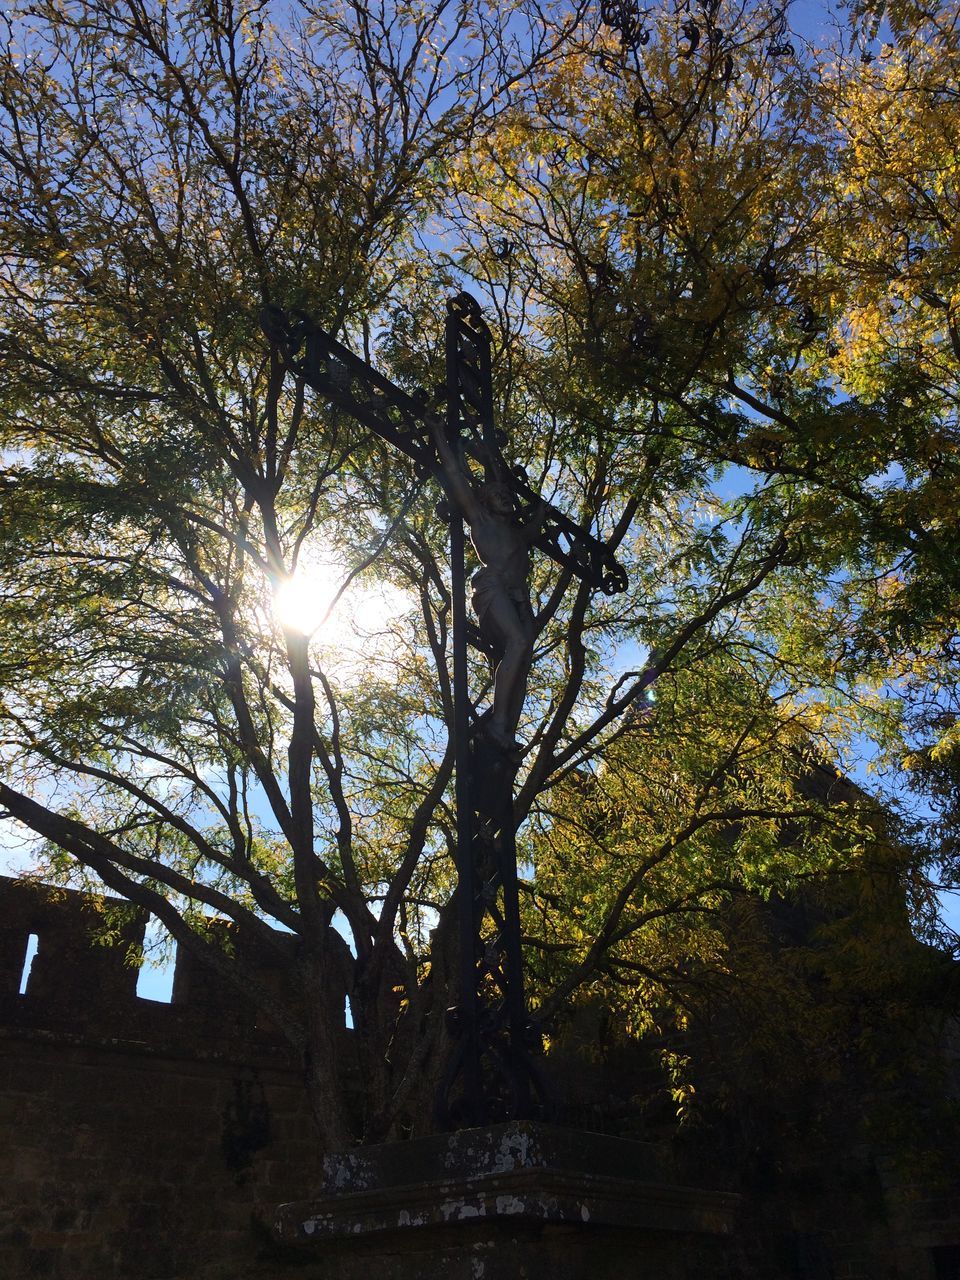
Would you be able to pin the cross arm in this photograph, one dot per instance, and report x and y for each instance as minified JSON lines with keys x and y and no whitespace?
{"x":408,"y":423}
{"x":352,"y":385}
{"x":571,"y":545}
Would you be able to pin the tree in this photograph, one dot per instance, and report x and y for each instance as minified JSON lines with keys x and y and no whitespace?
{"x":167,"y":732}
{"x":747,"y":252}
{"x":894,"y":242}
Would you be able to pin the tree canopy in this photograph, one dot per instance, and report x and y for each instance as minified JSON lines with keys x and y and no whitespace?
{"x":721,"y":268}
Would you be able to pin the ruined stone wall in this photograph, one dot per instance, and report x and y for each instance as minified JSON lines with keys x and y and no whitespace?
{"x":150,"y":1141}
{"x":139,"y":1139}
{"x":836,"y":1096}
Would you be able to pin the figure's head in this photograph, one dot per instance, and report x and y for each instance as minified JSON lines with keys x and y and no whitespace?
{"x":497,"y":497}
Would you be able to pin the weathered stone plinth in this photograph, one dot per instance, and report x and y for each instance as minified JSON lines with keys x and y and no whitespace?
{"x":512,"y":1200}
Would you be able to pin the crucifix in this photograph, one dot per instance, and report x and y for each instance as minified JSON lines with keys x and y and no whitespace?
{"x":491,"y":1073}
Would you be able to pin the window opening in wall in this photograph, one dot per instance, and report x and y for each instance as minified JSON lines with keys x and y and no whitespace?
{"x":347,"y":1012}
{"x":155,"y":980}
{"x":33,"y":945}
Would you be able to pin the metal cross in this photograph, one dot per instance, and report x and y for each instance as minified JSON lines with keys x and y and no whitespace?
{"x":491,"y":1072}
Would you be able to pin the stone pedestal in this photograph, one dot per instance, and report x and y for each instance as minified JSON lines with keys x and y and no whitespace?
{"x":513,"y":1200}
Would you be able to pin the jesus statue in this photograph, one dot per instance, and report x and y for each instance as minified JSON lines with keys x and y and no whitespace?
{"x":501,"y":589}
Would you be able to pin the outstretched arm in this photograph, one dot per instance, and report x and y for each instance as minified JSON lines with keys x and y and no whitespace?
{"x":456,"y":472}
{"x":535,"y":521}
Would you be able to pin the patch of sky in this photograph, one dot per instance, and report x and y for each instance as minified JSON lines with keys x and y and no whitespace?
{"x":950,"y":910}
{"x":892,"y":477}
{"x":734,"y":482}
{"x":33,"y":945}
{"x":342,"y":926}
{"x":18,"y":456}
{"x":812,"y":19}
{"x":20,"y":850}
{"x":155,"y":980}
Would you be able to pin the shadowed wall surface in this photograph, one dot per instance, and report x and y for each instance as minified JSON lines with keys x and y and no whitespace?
{"x":151,"y":1141}
{"x":139,"y":1138}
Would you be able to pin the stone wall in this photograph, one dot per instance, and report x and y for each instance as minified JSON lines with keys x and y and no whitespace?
{"x":150,"y":1141}
{"x":833,"y":1083}
{"x":139,"y":1139}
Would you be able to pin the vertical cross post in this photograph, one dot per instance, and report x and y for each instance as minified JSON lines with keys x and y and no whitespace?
{"x":490,"y":1073}
{"x":467,"y":1020}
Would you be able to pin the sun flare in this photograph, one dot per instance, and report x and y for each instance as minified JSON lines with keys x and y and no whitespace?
{"x":354,"y":630}
{"x":302,"y":602}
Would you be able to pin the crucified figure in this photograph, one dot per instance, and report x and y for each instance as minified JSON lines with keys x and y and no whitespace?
{"x":501,"y":590}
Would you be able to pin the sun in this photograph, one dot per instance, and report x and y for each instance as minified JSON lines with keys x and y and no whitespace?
{"x":303,"y":602}
{"x":353,"y":626}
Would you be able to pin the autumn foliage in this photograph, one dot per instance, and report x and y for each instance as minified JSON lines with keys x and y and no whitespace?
{"x":720,"y":259}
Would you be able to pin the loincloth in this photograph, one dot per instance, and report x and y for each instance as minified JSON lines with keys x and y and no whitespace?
{"x":487,"y":585}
